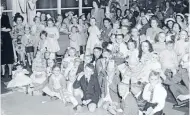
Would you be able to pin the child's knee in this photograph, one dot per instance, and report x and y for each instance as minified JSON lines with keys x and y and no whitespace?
{"x":78,"y":92}
{"x":92,"y":107}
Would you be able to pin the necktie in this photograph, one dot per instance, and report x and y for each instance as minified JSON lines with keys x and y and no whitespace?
{"x":151,"y":95}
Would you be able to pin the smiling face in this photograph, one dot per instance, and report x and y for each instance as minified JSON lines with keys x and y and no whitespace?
{"x":50,"y":63}
{"x":97,"y":53}
{"x":131,"y":45}
{"x":43,"y":17}
{"x":162,"y":37}
{"x":134,"y":32}
{"x":92,"y":22}
{"x":179,"y":19}
{"x":56,"y":71}
{"x":176,"y":28}
{"x":154,"y":79}
{"x":106,"y":23}
{"x":19,"y":21}
{"x":59,"y":18}
{"x":144,"y":20}
{"x":183,"y":35}
{"x":170,"y":24}
{"x":145,"y":47}
{"x":50,"y":23}
{"x":154,"y":23}
{"x":185,"y":62}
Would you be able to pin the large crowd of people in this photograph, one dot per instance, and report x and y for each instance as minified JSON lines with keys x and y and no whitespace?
{"x":123,"y":60}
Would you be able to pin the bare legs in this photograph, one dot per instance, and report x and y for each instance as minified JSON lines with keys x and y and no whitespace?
{"x":3,"y":69}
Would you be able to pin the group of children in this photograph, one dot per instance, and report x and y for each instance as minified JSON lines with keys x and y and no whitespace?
{"x":103,"y":67}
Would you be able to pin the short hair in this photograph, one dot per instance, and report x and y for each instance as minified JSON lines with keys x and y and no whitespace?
{"x":169,"y":42}
{"x":133,"y":41}
{"x":91,"y":66}
{"x":107,"y":50}
{"x":107,"y":19}
{"x":120,"y":35}
{"x":98,"y":48}
{"x":50,"y":19}
{"x":43,"y":33}
{"x":154,"y":73}
{"x":35,"y":18}
{"x":157,"y":37}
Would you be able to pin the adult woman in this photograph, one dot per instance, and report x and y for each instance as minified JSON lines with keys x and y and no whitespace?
{"x":119,"y":14}
{"x":7,"y":55}
{"x":68,"y":18}
{"x":144,"y":25}
{"x":169,"y":24}
{"x":176,"y":31}
{"x":153,"y":30}
{"x":36,"y":30}
{"x":97,"y":13}
{"x":43,"y":19}
{"x":18,"y":29}
{"x":64,"y":37}
{"x":181,"y":20}
{"x":106,"y":30}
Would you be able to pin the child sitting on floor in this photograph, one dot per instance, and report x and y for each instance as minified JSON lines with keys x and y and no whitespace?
{"x":20,"y":79}
{"x":56,"y":87}
{"x":155,"y":95}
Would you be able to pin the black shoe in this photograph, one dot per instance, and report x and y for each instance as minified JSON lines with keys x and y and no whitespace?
{"x":180,"y":105}
{"x":44,"y":94}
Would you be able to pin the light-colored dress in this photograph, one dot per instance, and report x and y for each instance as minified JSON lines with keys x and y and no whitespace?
{"x":151,"y":33}
{"x":75,"y":39}
{"x":159,"y":47}
{"x":93,"y":39}
{"x":19,"y":79}
{"x":63,"y":39}
{"x":53,"y":36}
{"x":84,"y":35}
{"x":99,"y":15}
{"x":181,"y":48}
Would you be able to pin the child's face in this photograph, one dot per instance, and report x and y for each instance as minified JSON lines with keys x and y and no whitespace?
{"x":43,"y":36}
{"x":134,"y":32}
{"x":183,"y":35}
{"x":87,"y":59}
{"x":92,"y":22}
{"x":19,"y":21}
{"x":37,"y":20}
{"x":154,"y":80}
{"x":112,"y":38}
{"x":162,"y":37}
{"x":59,"y":18}
{"x":27,"y":30}
{"x":144,"y":20}
{"x":185,"y":63}
{"x":155,"y":57}
{"x":72,"y":52}
{"x":97,"y":53}
{"x":56,"y":71}
{"x":176,"y":27}
{"x":116,"y":26}
{"x":145,"y":47}
{"x":170,"y":46}
{"x":74,"y":30}
{"x":74,"y":21}
{"x":88,"y":71}
{"x":50,"y":24}
{"x":119,"y":39}
{"x":178,"y":18}
{"x":50,"y":63}
{"x":131,"y":46}
{"x":124,"y":30}
{"x":80,"y":21}
{"x":106,"y":23}
{"x":43,"y":17}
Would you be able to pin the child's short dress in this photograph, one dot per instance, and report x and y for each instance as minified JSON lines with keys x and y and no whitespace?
{"x":53,"y":36}
{"x":75,"y":39}
{"x":84,"y":35}
{"x":93,"y":39}
{"x":19,"y":79}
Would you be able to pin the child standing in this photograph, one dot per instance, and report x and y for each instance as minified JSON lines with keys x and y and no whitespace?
{"x":75,"y":38}
{"x":28,"y":42}
{"x":20,"y":80}
{"x":52,"y":37}
{"x":168,"y":58}
{"x":94,"y":35}
{"x":20,"y":50}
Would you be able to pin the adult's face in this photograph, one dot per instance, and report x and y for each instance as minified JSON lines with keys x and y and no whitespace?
{"x":162,"y":37}
{"x":92,"y":22}
{"x":170,"y":24}
{"x":185,"y":62}
{"x":183,"y":35}
{"x":37,"y":20}
{"x":94,"y":4}
{"x":50,"y":24}
{"x":43,"y":17}
{"x":97,"y":53}
{"x":144,"y":20}
{"x":154,"y":24}
{"x":125,"y":22}
{"x":176,"y":27}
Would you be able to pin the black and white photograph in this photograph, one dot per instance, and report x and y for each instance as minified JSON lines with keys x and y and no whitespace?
{"x":95,"y":57}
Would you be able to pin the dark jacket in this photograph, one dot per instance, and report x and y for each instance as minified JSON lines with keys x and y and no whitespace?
{"x":91,"y":89}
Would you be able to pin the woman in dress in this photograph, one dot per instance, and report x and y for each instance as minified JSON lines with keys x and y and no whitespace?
{"x":153,"y":30}
{"x":7,"y":54}
{"x":94,"y":35}
{"x":64,"y":35}
{"x":97,"y":13}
